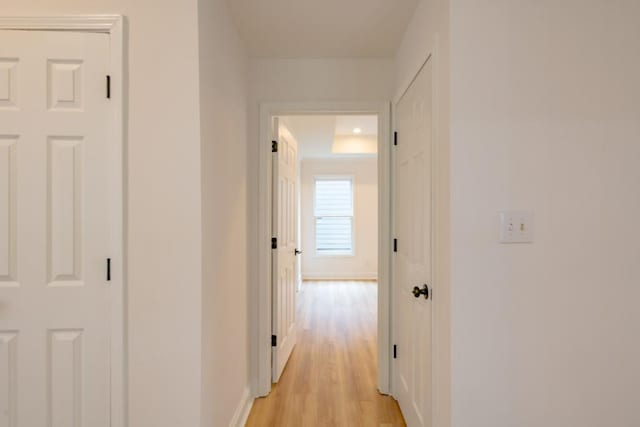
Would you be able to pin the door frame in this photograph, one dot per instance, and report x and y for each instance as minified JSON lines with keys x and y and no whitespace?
{"x":431,"y":55}
{"x":260,"y":295}
{"x":113,"y":25}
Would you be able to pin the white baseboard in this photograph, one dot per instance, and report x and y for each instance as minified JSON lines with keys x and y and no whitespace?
{"x":242,"y":411}
{"x":340,"y":276}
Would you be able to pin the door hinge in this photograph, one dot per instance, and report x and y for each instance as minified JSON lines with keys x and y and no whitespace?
{"x":108,"y":87}
{"x":274,"y":341}
{"x":395,"y":138}
{"x":395,"y":245}
{"x":274,"y":146}
{"x":108,"y":269}
{"x":395,"y":351}
{"x":274,"y":243}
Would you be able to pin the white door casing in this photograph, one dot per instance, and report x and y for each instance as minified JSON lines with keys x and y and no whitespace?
{"x":412,"y":266}
{"x":285,"y":230}
{"x":57,"y":229}
{"x":299,"y":228}
{"x":261,"y":295}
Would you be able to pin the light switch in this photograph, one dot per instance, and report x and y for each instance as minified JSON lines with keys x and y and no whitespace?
{"x":516,"y":227}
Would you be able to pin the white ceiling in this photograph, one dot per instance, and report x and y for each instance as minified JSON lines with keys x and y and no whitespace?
{"x":316,"y":134}
{"x":322,"y":28}
{"x":367,"y":124}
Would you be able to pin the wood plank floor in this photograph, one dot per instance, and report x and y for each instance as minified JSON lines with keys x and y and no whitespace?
{"x":330,"y":379}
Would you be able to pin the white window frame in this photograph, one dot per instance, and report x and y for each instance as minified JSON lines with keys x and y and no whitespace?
{"x":352,"y":253}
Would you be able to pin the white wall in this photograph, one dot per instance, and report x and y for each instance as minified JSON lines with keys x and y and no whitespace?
{"x":546,"y":116}
{"x":223,"y":90}
{"x":300,"y":80}
{"x":319,"y":80}
{"x":363,"y":264}
{"x":427,"y":33}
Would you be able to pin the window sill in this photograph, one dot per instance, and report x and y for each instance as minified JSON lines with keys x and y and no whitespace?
{"x":345,"y":255}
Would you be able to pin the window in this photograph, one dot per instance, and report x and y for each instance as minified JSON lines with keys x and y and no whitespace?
{"x":333,"y":211}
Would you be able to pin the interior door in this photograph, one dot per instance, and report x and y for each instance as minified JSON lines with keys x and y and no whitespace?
{"x":284,"y":259}
{"x":412,"y":376}
{"x":54,"y":230}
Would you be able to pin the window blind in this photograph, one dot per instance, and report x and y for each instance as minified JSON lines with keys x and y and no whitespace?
{"x":333,"y":210}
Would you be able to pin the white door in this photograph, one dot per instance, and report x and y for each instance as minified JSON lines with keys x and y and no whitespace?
{"x":413,"y":260}
{"x":54,"y":230}
{"x":284,"y":257}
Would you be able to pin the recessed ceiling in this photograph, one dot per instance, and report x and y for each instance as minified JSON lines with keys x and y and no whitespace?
{"x":322,"y":28}
{"x":316,"y":134}
{"x":345,"y":125}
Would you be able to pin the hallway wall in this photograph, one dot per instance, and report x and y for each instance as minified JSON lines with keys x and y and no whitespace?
{"x":546,"y":117}
{"x":223,"y":103}
{"x":363,"y":264}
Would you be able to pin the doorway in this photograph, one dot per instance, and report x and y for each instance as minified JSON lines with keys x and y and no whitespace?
{"x":325,"y":213}
{"x":270,"y":114}
{"x":330,"y":243}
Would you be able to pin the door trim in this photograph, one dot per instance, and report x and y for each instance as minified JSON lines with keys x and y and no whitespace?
{"x":260,"y":294}
{"x":113,"y":25}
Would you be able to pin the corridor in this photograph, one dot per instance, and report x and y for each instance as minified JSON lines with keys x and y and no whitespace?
{"x":330,"y":379}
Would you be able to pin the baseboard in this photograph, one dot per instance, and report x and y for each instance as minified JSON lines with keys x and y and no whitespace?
{"x":242,"y":411}
{"x":340,"y":276}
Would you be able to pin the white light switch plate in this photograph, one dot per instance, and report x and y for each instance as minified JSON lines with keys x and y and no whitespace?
{"x":516,"y":227}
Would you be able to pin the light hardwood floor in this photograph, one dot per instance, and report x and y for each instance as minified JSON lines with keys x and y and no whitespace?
{"x":330,"y":379}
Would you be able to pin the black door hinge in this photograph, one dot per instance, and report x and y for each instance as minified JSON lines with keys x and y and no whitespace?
{"x":395,"y":245}
{"x":395,"y":138}
{"x":274,"y":243}
{"x":395,"y":351}
{"x":108,"y":269}
{"x":274,"y":146}
{"x":274,"y":341}
{"x":108,"y":87}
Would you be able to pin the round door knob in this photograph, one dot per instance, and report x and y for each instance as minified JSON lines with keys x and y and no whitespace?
{"x":421,"y":291}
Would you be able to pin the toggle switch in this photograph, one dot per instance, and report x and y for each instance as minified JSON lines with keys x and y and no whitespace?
{"x":516,"y":227}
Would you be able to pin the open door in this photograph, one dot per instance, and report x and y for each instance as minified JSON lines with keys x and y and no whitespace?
{"x":412,"y":269}
{"x":285,"y":230}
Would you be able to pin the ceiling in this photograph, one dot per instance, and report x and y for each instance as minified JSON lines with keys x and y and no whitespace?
{"x":316,"y":134}
{"x":322,"y":28}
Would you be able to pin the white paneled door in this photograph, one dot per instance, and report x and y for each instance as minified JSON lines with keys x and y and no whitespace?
{"x":285,"y":230}
{"x":412,"y":280}
{"x":54,"y":230}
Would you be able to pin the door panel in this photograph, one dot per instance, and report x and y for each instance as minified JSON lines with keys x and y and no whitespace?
{"x":413,"y":261}
{"x":284,"y":260}
{"x":54,"y":230}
